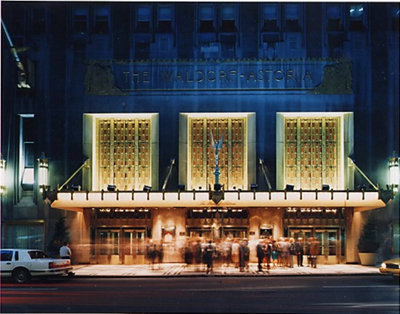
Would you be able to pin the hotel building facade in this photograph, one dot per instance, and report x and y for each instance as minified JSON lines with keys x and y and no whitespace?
{"x":113,"y":121}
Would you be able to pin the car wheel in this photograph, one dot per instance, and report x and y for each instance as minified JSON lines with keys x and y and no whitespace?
{"x":21,"y":275}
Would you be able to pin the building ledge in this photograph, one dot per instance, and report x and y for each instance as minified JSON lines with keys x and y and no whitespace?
{"x":77,"y":200}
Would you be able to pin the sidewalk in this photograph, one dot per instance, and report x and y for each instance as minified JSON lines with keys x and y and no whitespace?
{"x":182,"y":270}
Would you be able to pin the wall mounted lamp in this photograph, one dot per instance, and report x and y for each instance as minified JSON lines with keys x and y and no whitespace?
{"x":394,"y":172}
{"x":2,"y":175}
{"x":43,"y":179}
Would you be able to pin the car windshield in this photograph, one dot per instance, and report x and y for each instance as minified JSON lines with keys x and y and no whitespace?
{"x":37,"y":254}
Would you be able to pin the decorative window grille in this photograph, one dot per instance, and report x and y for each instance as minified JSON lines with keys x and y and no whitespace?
{"x":232,"y":156}
{"x":124,"y":153}
{"x":312,"y":148}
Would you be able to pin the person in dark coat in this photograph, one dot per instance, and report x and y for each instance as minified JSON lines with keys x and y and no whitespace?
{"x":299,"y":251}
{"x":208,"y":256}
{"x":260,"y":254}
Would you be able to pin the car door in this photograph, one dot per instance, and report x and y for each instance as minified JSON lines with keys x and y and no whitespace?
{"x":7,"y":262}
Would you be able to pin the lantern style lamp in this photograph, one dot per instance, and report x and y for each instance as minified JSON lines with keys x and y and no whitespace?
{"x":2,"y":175}
{"x":43,"y":179}
{"x":394,"y":172}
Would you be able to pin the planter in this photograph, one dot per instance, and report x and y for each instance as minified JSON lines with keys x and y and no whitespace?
{"x":367,"y":259}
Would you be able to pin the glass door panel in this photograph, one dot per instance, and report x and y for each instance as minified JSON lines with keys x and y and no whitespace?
{"x":109,"y":242}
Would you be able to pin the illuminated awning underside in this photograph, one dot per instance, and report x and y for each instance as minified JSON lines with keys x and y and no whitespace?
{"x":358,"y":200}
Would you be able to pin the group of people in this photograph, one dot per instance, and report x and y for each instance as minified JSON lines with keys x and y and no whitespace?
{"x":284,"y":252}
{"x":154,"y":252}
{"x":271,"y":253}
{"x":221,"y":252}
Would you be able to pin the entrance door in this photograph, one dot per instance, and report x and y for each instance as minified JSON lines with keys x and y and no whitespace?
{"x":108,"y":246}
{"x":133,"y":246}
{"x":329,"y":242}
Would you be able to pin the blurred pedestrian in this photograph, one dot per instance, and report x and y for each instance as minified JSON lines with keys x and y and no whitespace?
{"x":197,"y":252}
{"x":299,"y":251}
{"x":268,"y":251}
{"x":244,"y":255}
{"x":260,"y":254}
{"x":209,"y":256}
{"x":235,"y":253}
{"x":314,"y":251}
{"x":274,"y":254}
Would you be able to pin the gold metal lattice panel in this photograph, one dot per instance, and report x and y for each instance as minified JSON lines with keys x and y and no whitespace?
{"x":312,"y":152}
{"x":123,"y":153}
{"x":231,"y":156}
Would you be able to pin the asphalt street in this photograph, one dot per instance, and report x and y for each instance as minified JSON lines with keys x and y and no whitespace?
{"x":310,"y":294}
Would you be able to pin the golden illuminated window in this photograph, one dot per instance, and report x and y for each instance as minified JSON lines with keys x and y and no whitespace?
{"x":232,"y":156}
{"x":123,"y":153}
{"x":312,"y":146}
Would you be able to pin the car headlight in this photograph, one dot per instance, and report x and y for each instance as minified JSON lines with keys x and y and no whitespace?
{"x":383,"y":265}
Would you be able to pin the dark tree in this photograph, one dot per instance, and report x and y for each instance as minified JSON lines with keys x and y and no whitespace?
{"x":60,"y":235}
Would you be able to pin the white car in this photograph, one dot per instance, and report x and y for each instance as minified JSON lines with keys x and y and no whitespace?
{"x":21,"y":264}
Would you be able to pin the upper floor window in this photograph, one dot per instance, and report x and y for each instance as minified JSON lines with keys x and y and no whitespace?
{"x":165,"y":19}
{"x":206,"y":18}
{"x":356,"y":13}
{"x":292,"y":18}
{"x":38,"y":20}
{"x":334,"y":22}
{"x":101,"y":20}
{"x":228,"y":17}
{"x":144,"y":19}
{"x":80,"y":21}
{"x":270,"y":18}
{"x":395,"y":18}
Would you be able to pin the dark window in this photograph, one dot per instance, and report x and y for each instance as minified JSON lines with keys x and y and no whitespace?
{"x":28,"y":130}
{"x":228,"y":26}
{"x":143,"y":19}
{"x":334,"y":22}
{"x":228,"y":45}
{"x":6,"y":255}
{"x":395,"y":18}
{"x":270,"y":26}
{"x":292,"y":18}
{"x":165,"y":17}
{"x":335,"y":43}
{"x":206,"y":27}
{"x":356,"y":17}
{"x":39,"y":21}
{"x":206,"y":18}
{"x":80,"y":23}
{"x":101,"y":20}
{"x":270,"y":17}
{"x":142,"y":50}
{"x":228,"y":15}
{"x":18,"y":21}
{"x":165,"y":27}
{"x":143,"y":27}
{"x":101,"y":24}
